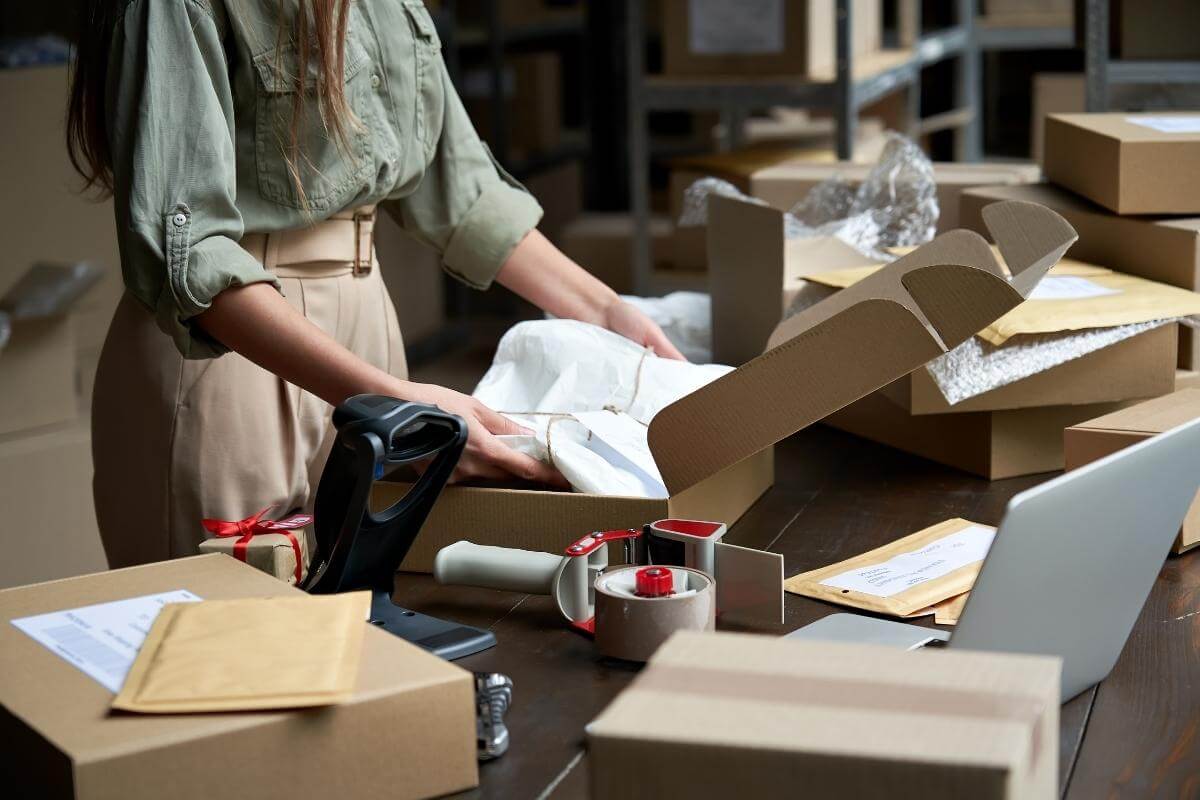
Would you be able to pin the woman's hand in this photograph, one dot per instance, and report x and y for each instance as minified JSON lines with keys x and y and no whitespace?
{"x":543,"y":275}
{"x":486,"y":456}
{"x":621,"y":317}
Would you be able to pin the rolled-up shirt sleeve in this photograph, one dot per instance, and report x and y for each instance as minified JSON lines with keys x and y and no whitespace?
{"x":466,"y":207}
{"x":171,"y":131}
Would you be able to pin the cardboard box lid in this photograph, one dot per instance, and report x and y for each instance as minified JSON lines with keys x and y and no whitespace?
{"x":898,"y":319}
{"x":71,"y":710}
{"x":1120,"y":127}
{"x":1151,"y":417}
{"x":766,"y":693}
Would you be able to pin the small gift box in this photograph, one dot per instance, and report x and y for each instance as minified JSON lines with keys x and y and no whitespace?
{"x":277,"y":547}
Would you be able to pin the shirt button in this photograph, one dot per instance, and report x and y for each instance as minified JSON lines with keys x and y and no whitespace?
{"x":375,"y":81}
{"x":179,"y":219}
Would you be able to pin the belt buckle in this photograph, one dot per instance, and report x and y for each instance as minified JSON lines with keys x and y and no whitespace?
{"x":364,"y":241}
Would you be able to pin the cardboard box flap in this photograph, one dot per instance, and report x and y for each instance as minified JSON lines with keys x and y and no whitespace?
{"x":886,"y":326}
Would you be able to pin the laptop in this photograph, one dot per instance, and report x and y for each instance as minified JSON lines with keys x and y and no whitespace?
{"x":1070,"y":567}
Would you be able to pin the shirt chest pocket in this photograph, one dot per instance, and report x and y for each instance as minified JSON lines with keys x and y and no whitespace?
{"x":329,"y":172}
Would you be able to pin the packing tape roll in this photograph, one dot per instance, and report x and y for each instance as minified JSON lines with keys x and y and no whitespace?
{"x":633,"y":627}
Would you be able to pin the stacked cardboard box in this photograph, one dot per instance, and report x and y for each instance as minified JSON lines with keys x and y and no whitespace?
{"x":49,"y":528}
{"x":723,"y":38}
{"x":1124,"y":183}
{"x":531,"y":88}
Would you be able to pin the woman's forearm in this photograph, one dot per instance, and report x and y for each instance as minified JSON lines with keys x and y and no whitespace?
{"x":539,"y":272}
{"x":259,"y":324}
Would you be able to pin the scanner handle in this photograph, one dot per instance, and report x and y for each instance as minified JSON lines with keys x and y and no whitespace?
{"x":468,"y":564}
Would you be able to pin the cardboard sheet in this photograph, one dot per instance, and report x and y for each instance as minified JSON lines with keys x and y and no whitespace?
{"x":907,"y":576}
{"x":250,"y":653}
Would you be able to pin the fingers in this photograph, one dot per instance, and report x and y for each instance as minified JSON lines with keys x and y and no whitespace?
{"x":497,"y":423}
{"x":662,"y":345}
{"x":523,"y":466}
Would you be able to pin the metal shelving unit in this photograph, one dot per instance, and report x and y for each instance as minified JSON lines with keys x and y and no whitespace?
{"x":856,"y":83}
{"x":1103,"y":71}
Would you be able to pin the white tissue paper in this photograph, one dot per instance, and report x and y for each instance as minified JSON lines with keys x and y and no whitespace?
{"x":587,"y":394}
{"x":685,"y":318}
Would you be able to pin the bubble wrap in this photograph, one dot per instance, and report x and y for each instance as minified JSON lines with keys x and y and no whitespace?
{"x":895,"y":206}
{"x":975,"y":366}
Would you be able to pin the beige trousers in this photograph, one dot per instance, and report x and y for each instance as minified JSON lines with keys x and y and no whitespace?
{"x":177,"y":440}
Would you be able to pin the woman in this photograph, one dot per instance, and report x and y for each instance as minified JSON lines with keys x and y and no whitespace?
{"x":247,"y":144}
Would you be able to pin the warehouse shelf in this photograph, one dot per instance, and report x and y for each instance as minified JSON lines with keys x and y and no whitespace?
{"x":1103,"y":71}
{"x":1003,"y":35}
{"x":856,"y":82}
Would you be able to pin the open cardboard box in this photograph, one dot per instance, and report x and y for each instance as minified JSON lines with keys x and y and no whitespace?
{"x":1163,"y":249}
{"x":713,"y":446}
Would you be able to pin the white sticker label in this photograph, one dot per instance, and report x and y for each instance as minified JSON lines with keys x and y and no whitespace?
{"x":104,"y":639}
{"x":1068,"y":287}
{"x":906,"y":570}
{"x":745,"y":27}
{"x":1184,"y":124}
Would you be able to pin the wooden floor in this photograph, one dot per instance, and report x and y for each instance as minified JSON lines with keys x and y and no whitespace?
{"x":1137,"y":735}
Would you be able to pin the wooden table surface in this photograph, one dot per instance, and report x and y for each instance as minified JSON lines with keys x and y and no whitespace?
{"x":1136,"y":735}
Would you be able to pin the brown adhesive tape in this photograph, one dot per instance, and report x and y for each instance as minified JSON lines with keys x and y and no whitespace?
{"x":632,"y":628}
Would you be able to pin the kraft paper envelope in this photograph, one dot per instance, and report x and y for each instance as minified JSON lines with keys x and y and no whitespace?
{"x":907,"y":577}
{"x":1131,"y":300}
{"x":248,"y":654}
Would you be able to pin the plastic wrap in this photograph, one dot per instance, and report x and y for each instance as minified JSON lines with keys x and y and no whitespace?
{"x":894,"y":206}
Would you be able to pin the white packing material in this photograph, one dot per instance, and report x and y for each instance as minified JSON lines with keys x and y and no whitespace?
{"x":587,"y":394}
{"x":976,"y":366}
{"x":685,"y":318}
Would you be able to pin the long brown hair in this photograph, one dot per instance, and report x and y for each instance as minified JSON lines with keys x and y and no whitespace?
{"x":317,"y":31}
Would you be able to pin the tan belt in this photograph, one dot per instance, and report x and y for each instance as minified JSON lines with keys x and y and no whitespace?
{"x":343,"y":243}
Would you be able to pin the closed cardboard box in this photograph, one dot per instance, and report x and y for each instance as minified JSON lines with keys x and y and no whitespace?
{"x":603,"y":245}
{"x":48,"y":219}
{"x":1028,"y":13}
{"x":38,"y":374}
{"x":48,"y":523}
{"x":408,"y":731}
{"x":1096,"y":438}
{"x":414,"y":279}
{"x":725,"y":715}
{"x":532,"y":91}
{"x":1156,"y":30}
{"x":1163,"y":249}
{"x":1053,"y":93}
{"x":560,"y":191}
{"x":1129,"y":163}
{"x":990,"y":444}
{"x":763,"y":37}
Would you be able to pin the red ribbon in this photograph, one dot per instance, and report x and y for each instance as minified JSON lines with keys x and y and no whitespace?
{"x":253,"y":526}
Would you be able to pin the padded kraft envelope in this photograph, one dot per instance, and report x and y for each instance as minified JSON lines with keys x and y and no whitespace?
{"x":1132,"y":300}
{"x":248,"y":654}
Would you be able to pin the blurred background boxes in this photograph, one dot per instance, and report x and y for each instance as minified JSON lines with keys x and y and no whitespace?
{"x":760,"y":37}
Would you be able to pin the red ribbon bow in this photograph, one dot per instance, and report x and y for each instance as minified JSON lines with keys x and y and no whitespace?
{"x":253,"y":526}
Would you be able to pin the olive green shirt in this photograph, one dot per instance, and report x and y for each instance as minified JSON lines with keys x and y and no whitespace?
{"x":199,"y":111}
